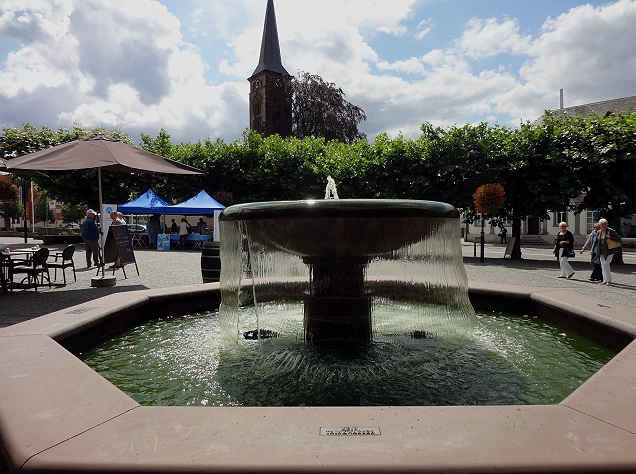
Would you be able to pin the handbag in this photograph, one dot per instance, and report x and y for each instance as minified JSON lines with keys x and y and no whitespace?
{"x":571,"y":254}
{"x":613,"y":244}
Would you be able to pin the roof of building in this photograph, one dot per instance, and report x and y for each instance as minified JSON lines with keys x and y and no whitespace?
{"x":270,"y":59}
{"x":597,"y":108}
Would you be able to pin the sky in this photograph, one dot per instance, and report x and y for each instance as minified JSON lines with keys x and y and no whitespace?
{"x":182,"y":65}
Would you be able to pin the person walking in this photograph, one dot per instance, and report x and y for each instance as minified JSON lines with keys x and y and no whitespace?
{"x":183,"y":233}
{"x":564,"y":245}
{"x":608,"y":243}
{"x":90,"y":235}
{"x":503,"y":235}
{"x":114,"y":216}
{"x":592,"y":244}
{"x":153,"y":230}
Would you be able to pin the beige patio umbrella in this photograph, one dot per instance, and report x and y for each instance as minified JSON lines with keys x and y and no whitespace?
{"x":101,"y":152}
{"x":3,"y":168}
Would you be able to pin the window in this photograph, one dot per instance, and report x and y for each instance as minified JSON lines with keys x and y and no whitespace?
{"x":590,"y":218}
{"x":560,"y":217}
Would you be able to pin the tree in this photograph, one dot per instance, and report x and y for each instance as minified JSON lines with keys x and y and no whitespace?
{"x":608,"y":150}
{"x":74,"y":212}
{"x":537,"y":173}
{"x":11,"y":210}
{"x":173,"y":187}
{"x":42,"y":211}
{"x":319,"y":109}
{"x":71,"y":186}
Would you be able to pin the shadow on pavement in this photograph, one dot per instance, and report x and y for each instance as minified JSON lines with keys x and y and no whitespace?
{"x":27,"y":304}
{"x":580,"y":265}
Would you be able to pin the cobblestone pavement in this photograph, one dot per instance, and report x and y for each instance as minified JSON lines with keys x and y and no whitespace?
{"x":539,"y":267}
{"x":177,"y":268}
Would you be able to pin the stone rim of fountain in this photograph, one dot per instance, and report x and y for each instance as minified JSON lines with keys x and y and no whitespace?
{"x":58,"y":415}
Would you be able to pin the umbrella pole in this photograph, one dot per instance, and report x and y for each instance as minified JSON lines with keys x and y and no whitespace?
{"x":97,"y":280}
{"x":101,"y":220}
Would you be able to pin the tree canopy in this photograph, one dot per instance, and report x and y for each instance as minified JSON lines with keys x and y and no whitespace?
{"x":320,"y":109}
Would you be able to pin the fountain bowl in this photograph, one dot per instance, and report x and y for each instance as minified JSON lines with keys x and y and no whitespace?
{"x":339,"y":228}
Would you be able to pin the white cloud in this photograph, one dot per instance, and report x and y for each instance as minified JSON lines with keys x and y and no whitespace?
{"x":122,"y":64}
{"x":197,"y":15}
{"x":424,"y":28}
{"x":587,"y":51}
{"x":484,"y":38}
{"x":410,"y":66}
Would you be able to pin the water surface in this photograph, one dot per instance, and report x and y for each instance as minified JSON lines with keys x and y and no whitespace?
{"x":507,"y":360}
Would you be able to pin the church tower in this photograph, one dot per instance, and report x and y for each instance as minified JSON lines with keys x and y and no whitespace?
{"x":270,"y":108}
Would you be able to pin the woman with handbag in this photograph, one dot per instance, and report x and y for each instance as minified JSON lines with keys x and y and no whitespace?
{"x":608,"y":243}
{"x":592,"y":244}
{"x":563,"y":249}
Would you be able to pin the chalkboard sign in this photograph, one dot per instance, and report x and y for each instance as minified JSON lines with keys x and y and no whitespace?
{"x":509,"y":247}
{"x":118,"y":248}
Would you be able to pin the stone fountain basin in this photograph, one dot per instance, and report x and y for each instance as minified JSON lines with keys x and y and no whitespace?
{"x":58,"y":415}
{"x":343,"y":228}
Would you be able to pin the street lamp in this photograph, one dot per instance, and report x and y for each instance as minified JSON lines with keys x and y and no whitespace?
{"x":481,"y":256}
{"x":21,"y":183}
{"x":489,"y":199}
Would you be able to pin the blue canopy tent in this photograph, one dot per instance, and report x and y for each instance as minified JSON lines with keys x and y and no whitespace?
{"x":201,"y":204}
{"x":147,"y":203}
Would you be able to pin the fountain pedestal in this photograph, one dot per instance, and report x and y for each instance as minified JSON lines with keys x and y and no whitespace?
{"x":337,"y":307}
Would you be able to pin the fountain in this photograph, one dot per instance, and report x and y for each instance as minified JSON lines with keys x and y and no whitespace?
{"x":339,"y":256}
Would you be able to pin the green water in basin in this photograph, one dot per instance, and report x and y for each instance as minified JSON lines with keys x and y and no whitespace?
{"x":506,"y":360}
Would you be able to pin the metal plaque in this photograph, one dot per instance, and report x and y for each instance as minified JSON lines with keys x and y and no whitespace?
{"x":81,"y":310}
{"x":349,"y":431}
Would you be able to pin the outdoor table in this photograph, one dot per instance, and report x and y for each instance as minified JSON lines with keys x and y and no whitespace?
{"x":198,"y":240}
{"x":7,"y":264}
{"x":175,"y":241}
{"x":28,"y":252}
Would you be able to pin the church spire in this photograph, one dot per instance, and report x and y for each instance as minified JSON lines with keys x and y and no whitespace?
{"x":270,"y":59}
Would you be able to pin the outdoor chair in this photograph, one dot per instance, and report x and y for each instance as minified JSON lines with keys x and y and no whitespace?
{"x":66,"y":257}
{"x":5,"y":268}
{"x":38,"y":266}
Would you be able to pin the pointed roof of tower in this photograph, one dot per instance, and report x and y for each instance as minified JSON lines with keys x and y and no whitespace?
{"x":270,"y":50}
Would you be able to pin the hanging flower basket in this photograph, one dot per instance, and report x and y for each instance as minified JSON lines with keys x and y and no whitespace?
{"x":489,"y":199}
{"x":8,"y":190}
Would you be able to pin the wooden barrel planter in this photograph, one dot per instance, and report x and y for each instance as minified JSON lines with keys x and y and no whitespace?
{"x":211,"y":262}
